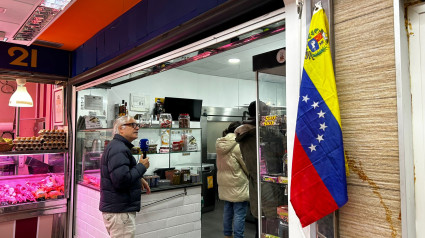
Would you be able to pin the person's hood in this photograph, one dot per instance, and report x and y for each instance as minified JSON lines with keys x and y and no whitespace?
{"x":225,"y":144}
{"x":244,"y":131}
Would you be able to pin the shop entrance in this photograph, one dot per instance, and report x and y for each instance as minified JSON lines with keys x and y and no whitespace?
{"x":222,"y":78}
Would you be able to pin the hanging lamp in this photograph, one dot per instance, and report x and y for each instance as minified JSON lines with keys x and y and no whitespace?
{"x":21,"y":97}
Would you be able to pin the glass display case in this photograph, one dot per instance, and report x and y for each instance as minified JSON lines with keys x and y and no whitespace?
{"x":32,"y":182}
{"x":272,"y":147}
{"x":174,"y":156}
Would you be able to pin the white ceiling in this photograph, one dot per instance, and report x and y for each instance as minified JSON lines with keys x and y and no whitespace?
{"x":218,"y":65}
{"x":14,"y":16}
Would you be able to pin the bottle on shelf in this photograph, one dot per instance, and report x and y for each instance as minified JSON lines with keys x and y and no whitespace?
{"x":126,"y":110}
{"x":122,"y":109}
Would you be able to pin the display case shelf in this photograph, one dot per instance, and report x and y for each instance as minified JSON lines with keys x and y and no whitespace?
{"x":161,"y":137}
{"x":27,"y":210}
{"x":33,"y":183}
{"x":33,"y":152}
{"x":183,"y":152}
{"x":141,"y":128}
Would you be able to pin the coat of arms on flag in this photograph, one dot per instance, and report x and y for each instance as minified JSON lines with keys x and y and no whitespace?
{"x":318,"y":185}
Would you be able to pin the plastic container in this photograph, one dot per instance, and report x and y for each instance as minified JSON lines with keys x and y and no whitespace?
{"x":155,"y":181}
{"x":185,"y":176}
{"x":164,"y":182}
{"x":177,"y":146}
{"x":176,"y":178}
{"x":165,"y":120}
{"x":184,"y":120}
{"x":194,"y":178}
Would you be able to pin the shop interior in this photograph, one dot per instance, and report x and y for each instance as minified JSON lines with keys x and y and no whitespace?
{"x":214,"y":86}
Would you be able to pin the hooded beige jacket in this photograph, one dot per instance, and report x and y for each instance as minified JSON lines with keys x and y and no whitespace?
{"x":231,"y":179}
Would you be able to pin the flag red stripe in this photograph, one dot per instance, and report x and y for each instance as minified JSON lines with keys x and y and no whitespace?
{"x":309,"y":196}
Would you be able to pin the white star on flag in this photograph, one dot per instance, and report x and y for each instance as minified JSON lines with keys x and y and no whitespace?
{"x":320,"y":138}
{"x":323,"y":126}
{"x":312,"y":147}
{"x":321,"y":114}
{"x":315,"y":104}
{"x":305,"y":98}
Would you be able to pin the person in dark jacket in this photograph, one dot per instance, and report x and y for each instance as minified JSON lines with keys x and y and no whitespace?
{"x":246,"y":137}
{"x":121,"y":180}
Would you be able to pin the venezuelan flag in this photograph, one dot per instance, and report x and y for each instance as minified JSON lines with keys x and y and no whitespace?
{"x":318,"y":185}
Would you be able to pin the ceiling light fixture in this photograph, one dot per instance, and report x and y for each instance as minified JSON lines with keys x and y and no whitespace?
{"x":55,"y":4}
{"x":234,"y":61}
{"x":21,"y":97}
{"x":43,"y":15}
{"x":3,"y":36}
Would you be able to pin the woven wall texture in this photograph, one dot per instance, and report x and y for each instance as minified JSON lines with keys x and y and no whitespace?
{"x":366,"y":83}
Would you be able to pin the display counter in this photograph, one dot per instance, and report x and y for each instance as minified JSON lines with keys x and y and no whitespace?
{"x":174,"y":205}
{"x":164,"y":213}
{"x":33,"y":190}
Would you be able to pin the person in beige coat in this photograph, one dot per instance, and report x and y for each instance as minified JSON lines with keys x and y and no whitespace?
{"x":232,"y":180}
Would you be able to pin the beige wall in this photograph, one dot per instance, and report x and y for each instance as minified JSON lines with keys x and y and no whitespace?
{"x":366,"y":83}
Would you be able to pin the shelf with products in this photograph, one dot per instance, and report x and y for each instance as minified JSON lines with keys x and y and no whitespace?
{"x":273,"y":176}
{"x":168,"y":148}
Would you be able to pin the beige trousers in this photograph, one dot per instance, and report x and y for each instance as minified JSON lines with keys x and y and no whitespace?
{"x":120,"y":224}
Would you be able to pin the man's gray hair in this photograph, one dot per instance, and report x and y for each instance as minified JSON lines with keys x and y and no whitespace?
{"x":119,"y":122}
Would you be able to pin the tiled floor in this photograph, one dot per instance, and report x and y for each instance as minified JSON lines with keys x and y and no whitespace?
{"x":212,"y":223}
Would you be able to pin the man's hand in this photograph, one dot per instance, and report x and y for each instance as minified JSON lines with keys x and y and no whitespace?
{"x":145,"y":185}
{"x":145,"y":162}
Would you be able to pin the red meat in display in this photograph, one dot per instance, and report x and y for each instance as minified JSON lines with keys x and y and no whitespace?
{"x":53,"y":194}
{"x":51,"y":187}
{"x":92,"y":180}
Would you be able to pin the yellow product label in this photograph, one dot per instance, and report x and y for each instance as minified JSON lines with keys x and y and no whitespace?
{"x":269,"y":123}
{"x":270,"y":236}
{"x":210,"y":182}
{"x":283,"y":180}
{"x":268,"y":118}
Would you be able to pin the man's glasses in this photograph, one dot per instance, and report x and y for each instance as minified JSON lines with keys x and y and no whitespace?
{"x":134,"y":125}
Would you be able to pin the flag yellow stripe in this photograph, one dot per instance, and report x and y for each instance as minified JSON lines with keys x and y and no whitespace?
{"x":319,"y":67}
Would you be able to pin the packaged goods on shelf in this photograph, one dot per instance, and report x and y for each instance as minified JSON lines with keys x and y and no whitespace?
{"x":283,"y":180}
{"x":282,"y":212}
{"x":267,"y":178}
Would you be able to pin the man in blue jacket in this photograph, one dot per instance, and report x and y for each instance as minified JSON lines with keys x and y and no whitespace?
{"x":121,"y":180}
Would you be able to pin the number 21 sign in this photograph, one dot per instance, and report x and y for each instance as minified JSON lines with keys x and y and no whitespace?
{"x":34,"y":59}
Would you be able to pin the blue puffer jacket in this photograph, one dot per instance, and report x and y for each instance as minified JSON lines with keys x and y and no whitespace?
{"x":120,"y":185}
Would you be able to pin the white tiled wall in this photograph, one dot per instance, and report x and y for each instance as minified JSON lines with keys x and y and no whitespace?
{"x":177,"y":217}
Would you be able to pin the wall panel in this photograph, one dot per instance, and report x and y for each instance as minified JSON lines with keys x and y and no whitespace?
{"x":366,"y":83}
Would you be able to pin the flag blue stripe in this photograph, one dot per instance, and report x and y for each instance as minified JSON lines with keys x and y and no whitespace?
{"x":328,"y":159}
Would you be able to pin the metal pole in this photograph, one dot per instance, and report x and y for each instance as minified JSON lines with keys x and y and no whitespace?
{"x":18,"y":117}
